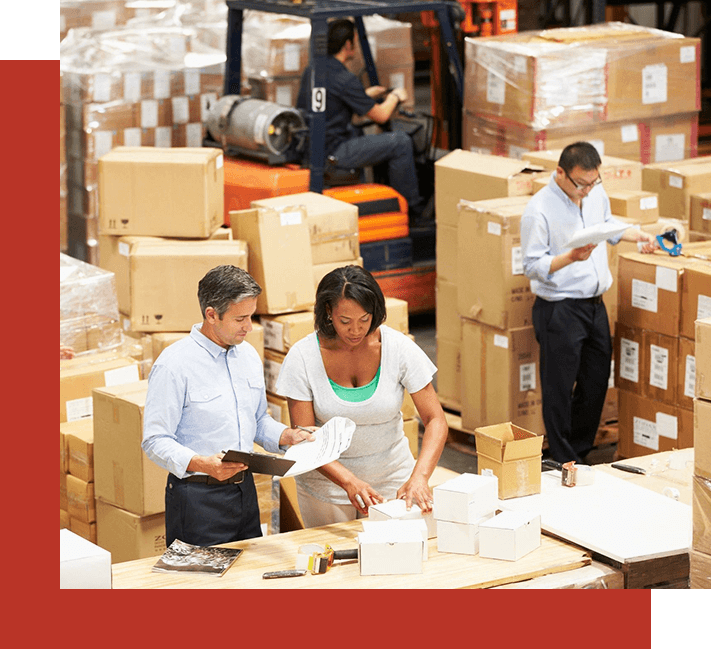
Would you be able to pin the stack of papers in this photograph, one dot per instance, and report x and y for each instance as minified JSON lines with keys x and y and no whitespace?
{"x":596,"y":234}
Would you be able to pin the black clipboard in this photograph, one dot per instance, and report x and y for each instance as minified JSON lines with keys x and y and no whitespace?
{"x":260,"y":462}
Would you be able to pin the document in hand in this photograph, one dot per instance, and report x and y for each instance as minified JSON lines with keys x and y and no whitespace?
{"x":332,"y":439}
{"x":596,"y":234}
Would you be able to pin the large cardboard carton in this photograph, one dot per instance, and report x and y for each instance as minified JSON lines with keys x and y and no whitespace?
{"x":475,"y":177}
{"x":332,"y":223}
{"x":449,"y":372}
{"x":500,"y":377}
{"x":123,"y":474}
{"x":167,"y":192}
{"x":628,"y":352}
{"x":686,"y":373}
{"x":81,"y":501}
{"x":703,"y":358}
{"x":82,"y":564}
{"x":466,"y":498}
{"x":660,"y":367}
{"x":279,"y":257}
{"x":695,"y":297}
{"x":618,"y":174}
{"x":701,"y":514}
{"x":489,"y":235}
{"x":513,"y":454}
{"x":647,"y":426}
{"x":702,"y":438}
{"x":639,"y":205}
{"x":447,"y":320}
{"x":141,"y":266}
{"x":128,"y":536}
{"x":282,"y":331}
{"x":446,"y":250}
{"x":700,"y":212}
{"x":580,"y":75}
{"x":80,"y":448}
{"x":676,"y":182}
{"x":77,"y":380}
{"x":510,"y":535}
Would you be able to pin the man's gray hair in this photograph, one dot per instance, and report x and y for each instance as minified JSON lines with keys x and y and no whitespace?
{"x":225,"y":285}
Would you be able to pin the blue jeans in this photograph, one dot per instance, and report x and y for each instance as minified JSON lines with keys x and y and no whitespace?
{"x":393,"y":147}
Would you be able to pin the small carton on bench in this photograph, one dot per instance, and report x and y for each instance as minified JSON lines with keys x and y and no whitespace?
{"x":392,"y":548}
{"x":510,"y":535}
{"x":397,"y":510}
{"x":466,"y":498}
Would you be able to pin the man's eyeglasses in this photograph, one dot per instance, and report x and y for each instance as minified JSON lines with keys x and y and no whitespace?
{"x":583,"y":186}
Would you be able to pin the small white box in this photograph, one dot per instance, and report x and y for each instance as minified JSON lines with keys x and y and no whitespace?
{"x":82,"y":564}
{"x":397,"y":510}
{"x":459,"y":538}
{"x":418,"y":525}
{"x":466,"y":498}
{"x":510,"y":535}
{"x":391,"y":548}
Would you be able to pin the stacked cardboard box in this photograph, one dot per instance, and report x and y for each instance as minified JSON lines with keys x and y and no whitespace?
{"x":700,"y":555}
{"x":152,"y":94}
{"x":659,"y":298}
{"x":276,"y":50}
{"x":700,"y":215}
{"x":633,"y":91}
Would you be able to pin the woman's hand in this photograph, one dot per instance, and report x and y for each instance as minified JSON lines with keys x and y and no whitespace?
{"x":417,"y":491}
{"x":362,"y":495}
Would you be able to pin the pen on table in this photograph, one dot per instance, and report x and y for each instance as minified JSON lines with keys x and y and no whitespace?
{"x":629,"y":468}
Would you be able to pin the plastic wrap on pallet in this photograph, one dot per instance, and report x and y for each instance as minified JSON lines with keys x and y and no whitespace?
{"x":88,"y":307}
{"x":578,"y":75}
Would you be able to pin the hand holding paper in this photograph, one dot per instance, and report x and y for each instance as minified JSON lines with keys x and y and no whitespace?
{"x":595,"y":234}
{"x":332,"y":439}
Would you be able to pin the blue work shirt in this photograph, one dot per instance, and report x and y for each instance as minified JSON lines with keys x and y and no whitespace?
{"x":204,"y":399}
{"x":549,"y":221}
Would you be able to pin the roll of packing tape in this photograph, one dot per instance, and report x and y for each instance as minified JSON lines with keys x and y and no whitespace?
{"x":671,"y":492}
{"x":305,"y":551}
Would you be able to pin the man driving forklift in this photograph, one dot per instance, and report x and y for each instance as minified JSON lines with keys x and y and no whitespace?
{"x":346,"y":146}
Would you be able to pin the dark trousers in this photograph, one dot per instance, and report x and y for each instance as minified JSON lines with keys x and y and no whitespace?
{"x":575,"y":357}
{"x":393,"y":148}
{"x":203,"y":514}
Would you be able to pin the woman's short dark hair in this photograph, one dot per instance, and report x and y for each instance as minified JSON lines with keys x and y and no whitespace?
{"x":579,"y":154}
{"x":350,"y":283}
{"x":223,"y":286}
{"x":339,"y":31}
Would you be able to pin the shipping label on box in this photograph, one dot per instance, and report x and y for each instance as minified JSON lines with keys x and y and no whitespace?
{"x":510,"y":535}
{"x":628,"y":346}
{"x":466,"y":498}
{"x":700,"y":212}
{"x":686,"y":373}
{"x":659,"y":367}
{"x":639,"y":205}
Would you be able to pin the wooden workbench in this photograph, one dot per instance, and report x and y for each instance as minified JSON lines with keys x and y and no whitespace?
{"x":279,"y":551}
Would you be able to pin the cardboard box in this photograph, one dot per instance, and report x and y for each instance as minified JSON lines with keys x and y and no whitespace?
{"x":82,"y":564}
{"x":411,"y":428}
{"x":701,"y":513}
{"x":169,"y":192}
{"x":332,"y":224}
{"x":82,"y":528}
{"x":466,"y":498}
{"x":702,"y":438}
{"x":63,"y":452}
{"x":272,"y":366}
{"x":578,"y":75}
{"x":142,"y":263}
{"x":686,"y":373}
{"x":649,"y":291}
{"x":81,"y":502}
{"x":500,"y":377}
{"x":321,"y":270}
{"x":449,"y":372}
{"x":80,"y":448}
{"x":398,"y":314}
{"x":659,"y":367}
{"x":699,"y":569}
{"x":475,"y":177}
{"x":63,"y":502}
{"x":513,"y":454}
{"x":278,"y":408}
{"x":700,"y":212}
{"x":123,"y":474}
{"x":397,"y":510}
{"x":128,"y":536}
{"x":279,"y":257}
{"x":617,"y":173}
{"x":493,"y":227}
{"x":628,"y":351}
{"x":695,"y":297}
{"x":63,"y":519}
{"x":447,"y":321}
{"x":703,"y":358}
{"x":639,"y":205}
{"x":646,"y":426}
{"x":392,"y":548}
{"x":77,"y":379}
{"x":676,"y":182}
{"x":459,"y":538}
{"x":282,"y":331}
{"x":510,"y":535}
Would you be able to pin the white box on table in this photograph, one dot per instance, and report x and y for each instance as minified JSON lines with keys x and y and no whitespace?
{"x":466,"y":498}
{"x":82,"y":564}
{"x":510,"y":535}
{"x":397,"y":510}
{"x":459,"y":538}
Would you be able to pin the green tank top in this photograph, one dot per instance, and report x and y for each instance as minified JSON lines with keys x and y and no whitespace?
{"x":355,"y":395}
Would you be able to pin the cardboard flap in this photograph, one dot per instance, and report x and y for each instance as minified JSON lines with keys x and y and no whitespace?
{"x":507,"y":442}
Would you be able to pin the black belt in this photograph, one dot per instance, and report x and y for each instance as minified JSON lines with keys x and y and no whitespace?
{"x":595,"y":299}
{"x":208,"y":479}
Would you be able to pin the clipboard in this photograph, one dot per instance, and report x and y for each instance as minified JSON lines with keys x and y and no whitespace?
{"x":260,"y":462}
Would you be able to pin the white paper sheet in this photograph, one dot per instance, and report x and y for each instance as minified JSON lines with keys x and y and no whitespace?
{"x":332,"y":439}
{"x":595,"y":234}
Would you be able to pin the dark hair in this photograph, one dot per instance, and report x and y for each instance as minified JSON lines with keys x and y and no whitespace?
{"x":579,"y":154}
{"x":339,"y":31}
{"x":349,"y":283}
{"x":223,"y":286}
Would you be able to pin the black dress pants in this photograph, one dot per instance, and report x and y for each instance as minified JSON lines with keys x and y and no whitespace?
{"x":203,"y":514}
{"x":575,"y":357}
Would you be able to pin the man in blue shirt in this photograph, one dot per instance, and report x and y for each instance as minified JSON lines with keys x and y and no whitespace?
{"x":206,"y":395}
{"x":345,"y":97}
{"x":569,"y":316}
